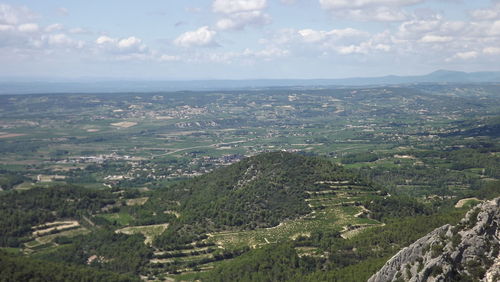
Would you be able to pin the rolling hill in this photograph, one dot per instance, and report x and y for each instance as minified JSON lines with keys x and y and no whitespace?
{"x":258,"y":192}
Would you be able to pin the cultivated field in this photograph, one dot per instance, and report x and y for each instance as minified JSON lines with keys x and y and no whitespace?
{"x":149,"y":231}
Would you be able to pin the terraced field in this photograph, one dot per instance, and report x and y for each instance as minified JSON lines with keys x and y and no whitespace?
{"x":337,"y":208}
{"x":44,"y":235}
{"x":192,"y":258}
{"x":149,"y":231}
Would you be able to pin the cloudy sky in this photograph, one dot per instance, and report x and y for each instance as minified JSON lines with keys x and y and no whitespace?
{"x":245,"y":39}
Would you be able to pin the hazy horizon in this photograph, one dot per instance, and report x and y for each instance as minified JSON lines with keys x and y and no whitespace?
{"x":99,"y":79}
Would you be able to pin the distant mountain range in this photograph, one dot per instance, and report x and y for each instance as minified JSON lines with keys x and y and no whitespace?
{"x":89,"y":86}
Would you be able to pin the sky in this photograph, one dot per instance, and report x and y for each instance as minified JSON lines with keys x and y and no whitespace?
{"x":245,"y":39}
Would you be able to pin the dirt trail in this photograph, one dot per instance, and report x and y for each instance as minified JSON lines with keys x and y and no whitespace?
{"x":363,"y":210}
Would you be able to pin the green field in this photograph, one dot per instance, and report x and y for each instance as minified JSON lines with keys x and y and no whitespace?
{"x":132,"y":167}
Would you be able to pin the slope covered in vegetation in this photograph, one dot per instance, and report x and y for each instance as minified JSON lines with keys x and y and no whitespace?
{"x":257,"y":192}
{"x":18,"y":268}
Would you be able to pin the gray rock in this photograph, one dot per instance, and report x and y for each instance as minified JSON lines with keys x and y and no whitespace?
{"x":452,"y":253}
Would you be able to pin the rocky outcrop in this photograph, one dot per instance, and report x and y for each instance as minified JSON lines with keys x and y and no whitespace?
{"x":466,"y":252}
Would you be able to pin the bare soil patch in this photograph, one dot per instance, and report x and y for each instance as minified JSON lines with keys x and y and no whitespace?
{"x":124,"y":124}
{"x":47,"y":228}
{"x":137,"y":201}
{"x":462,"y":202}
{"x":10,"y":135}
{"x":149,"y":231}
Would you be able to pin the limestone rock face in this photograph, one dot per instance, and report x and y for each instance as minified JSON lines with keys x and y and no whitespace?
{"x":466,"y":252}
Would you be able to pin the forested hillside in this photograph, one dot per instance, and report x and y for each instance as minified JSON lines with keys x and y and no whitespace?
{"x":18,"y":268}
{"x":23,"y":210}
{"x":257,"y":192}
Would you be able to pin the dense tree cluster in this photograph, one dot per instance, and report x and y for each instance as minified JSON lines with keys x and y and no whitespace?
{"x":111,"y":251}
{"x":358,"y":158}
{"x":17,"y":268}
{"x":397,"y":206}
{"x":278,"y":262}
{"x":20,"y":211}
{"x":10,"y":179}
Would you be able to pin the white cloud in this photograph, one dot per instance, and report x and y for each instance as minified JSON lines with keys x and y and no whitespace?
{"x":486,"y":14}
{"x":59,"y":39}
{"x":311,"y":36}
{"x":384,"y":14}
{"x":269,"y":53}
{"x":352,"y":4}
{"x":235,"y":6}
{"x":237,"y":14}
{"x":6,"y":27}
{"x":14,"y":15}
{"x":242,"y":19}
{"x":369,"y":10}
{"x":131,"y":57}
{"x":168,"y":58}
{"x":363,"y":48}
{"x":347,"y":32}
{"x":201,"y":37}
{"x":429,"y":38}
{"x":28,"y":27}
{"x":24,"y":38}
{"x":346,"y":50}
{"x":78,"y":30}
{"x":131,"y":42}
{"x":226,"y":23}
{"x":380,"y":14}
{"x":54,"y":27}
{"x":342,"y":41}
{"x":17,"y":32}
{"x":280,"y":37}
{"x":452,"y":26}
{"x":225,"y":57}
{"x":494,"y":28}
{"x":417,"y":28}
{"x":104,"y":40}
{"x":62,"y":40}
{"x":466,"y":55}
{"x":491,"y":50}
{"x":129,"y":45}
